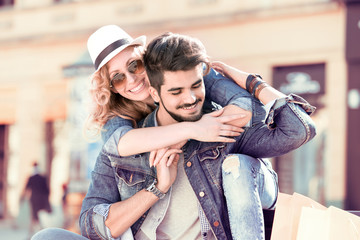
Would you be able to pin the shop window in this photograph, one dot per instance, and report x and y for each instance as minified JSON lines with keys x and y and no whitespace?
{"x":3,"y":169}
{"x":302,"y":170}
{"x":6,"y":3}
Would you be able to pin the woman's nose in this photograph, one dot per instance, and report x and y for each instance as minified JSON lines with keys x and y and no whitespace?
{"x":130,"y":78}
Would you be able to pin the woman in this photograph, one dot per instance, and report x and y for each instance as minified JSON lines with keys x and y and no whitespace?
{"x":124,"y":93}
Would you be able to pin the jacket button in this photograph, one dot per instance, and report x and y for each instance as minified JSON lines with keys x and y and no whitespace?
{"x":188,"y":164}
{"x":201,"y":194}
{"x":216,"y":223}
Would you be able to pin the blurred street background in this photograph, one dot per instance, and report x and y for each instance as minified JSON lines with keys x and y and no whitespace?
{"x":307,"y":47}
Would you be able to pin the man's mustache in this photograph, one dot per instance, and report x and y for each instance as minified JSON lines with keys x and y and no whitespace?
{"x":187,"y":105}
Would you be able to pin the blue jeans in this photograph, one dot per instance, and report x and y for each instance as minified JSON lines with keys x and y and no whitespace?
{"x":250,"y":185}
{"x":57,"y":233}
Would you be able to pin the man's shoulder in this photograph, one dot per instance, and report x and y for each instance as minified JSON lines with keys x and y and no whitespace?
{"x":149,"y":120}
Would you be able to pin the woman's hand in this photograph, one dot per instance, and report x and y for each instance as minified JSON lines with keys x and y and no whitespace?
{"x":215,"y":127}
{"x":236,"y":75}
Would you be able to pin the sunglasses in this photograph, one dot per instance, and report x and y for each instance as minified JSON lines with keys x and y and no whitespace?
{"x":134,"y":67}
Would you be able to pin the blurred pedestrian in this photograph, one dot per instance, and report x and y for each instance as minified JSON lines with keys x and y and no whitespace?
{"x":37,"y":191}
{"x":65,"y":205}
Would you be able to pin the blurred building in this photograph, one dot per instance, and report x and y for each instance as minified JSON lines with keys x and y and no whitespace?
{"x":309,"y":47}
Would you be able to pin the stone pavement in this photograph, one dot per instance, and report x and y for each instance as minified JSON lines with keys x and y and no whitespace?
{"x":18,"y":228}
{"x":9,"y":230}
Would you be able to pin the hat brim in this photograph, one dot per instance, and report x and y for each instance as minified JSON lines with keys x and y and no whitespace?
{"x":139,"y":41}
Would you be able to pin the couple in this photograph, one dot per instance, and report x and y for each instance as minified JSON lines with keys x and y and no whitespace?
{"x":197,"y":184}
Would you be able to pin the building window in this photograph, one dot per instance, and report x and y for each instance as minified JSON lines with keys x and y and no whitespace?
{"x":62,"y":1}
{"x":6,"y":3}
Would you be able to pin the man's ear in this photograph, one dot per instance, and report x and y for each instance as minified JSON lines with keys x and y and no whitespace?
{"x":154,"y":94}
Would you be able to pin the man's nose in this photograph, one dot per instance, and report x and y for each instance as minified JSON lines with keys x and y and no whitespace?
{"x":190,"y":97}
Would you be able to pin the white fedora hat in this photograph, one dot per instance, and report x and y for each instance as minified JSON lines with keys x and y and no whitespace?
{"x":108,"y":41}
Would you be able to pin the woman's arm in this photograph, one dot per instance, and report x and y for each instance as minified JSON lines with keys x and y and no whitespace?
{"x":210,"y":128}
{"x":287,"y":126}
{"x":266,"y":95}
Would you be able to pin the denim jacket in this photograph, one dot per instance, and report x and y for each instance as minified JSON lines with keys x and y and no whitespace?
{"x":116,"y":178}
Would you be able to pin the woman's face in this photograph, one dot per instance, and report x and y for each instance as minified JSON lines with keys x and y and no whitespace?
{"x":133,"y":86}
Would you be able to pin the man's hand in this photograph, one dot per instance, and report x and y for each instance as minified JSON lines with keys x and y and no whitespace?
{"x":166,"y":167}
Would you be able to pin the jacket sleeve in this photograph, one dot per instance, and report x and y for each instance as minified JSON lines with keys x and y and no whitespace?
{"x":287,"y":127}
{"x":101,"y":194}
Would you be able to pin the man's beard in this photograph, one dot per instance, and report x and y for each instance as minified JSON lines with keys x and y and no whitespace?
{"x":180,"y":118}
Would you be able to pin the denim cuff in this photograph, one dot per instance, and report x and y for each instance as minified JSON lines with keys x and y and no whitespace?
{"x":101,"y":212}
{"x":244,"y":103}
{"x":280,"y":103}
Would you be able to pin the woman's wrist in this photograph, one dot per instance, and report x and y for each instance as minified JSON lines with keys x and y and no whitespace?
{"x":254,"y":85}
{"x":239,"y":77}
{"x":189,"y":130}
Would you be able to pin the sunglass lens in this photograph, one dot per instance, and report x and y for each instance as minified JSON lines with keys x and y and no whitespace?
{"x":117,"y":79}
{"x":136,"y":67}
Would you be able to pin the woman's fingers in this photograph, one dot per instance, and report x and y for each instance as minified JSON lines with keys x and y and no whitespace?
{"x":159,"y":154}
{"x":170,"y":160}
{"x":152,"y":157}
{"x":168,"y":157}
{"x":229,"y":118}
{"x":227,"y":133}
{"x":231,"y":128}
{"x":217,"y":113}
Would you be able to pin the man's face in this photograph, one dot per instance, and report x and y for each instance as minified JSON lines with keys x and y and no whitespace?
{"x":182,"y":95}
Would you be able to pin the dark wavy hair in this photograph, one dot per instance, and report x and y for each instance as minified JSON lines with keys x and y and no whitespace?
{"x":172,"y":52}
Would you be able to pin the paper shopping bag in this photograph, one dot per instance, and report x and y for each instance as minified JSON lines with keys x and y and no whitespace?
{"x":313,"y":224}
{"x":287,"y":215}
{"x":343,"y":225}
{"x":330,"y":224}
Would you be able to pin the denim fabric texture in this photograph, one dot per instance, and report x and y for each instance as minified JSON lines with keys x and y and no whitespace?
{"x":250,"y":185}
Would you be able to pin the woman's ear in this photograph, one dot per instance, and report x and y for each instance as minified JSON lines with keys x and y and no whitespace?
{"x":154,"y":94}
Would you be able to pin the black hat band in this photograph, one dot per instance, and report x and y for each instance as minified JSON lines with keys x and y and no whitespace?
{"x":104,"y":53}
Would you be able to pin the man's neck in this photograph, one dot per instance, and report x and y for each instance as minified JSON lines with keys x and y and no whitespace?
{"x":163,"y":118}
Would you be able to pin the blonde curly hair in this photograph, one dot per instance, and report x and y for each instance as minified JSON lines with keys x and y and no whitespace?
{"x":108,"y":104}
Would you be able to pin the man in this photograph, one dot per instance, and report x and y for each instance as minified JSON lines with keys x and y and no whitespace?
{"x":37,"y":191}
{"x":174,"y":64}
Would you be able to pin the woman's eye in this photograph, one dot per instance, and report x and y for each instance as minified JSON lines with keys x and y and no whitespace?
{"x":132,"y":67}
{"x":117,"y":77}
